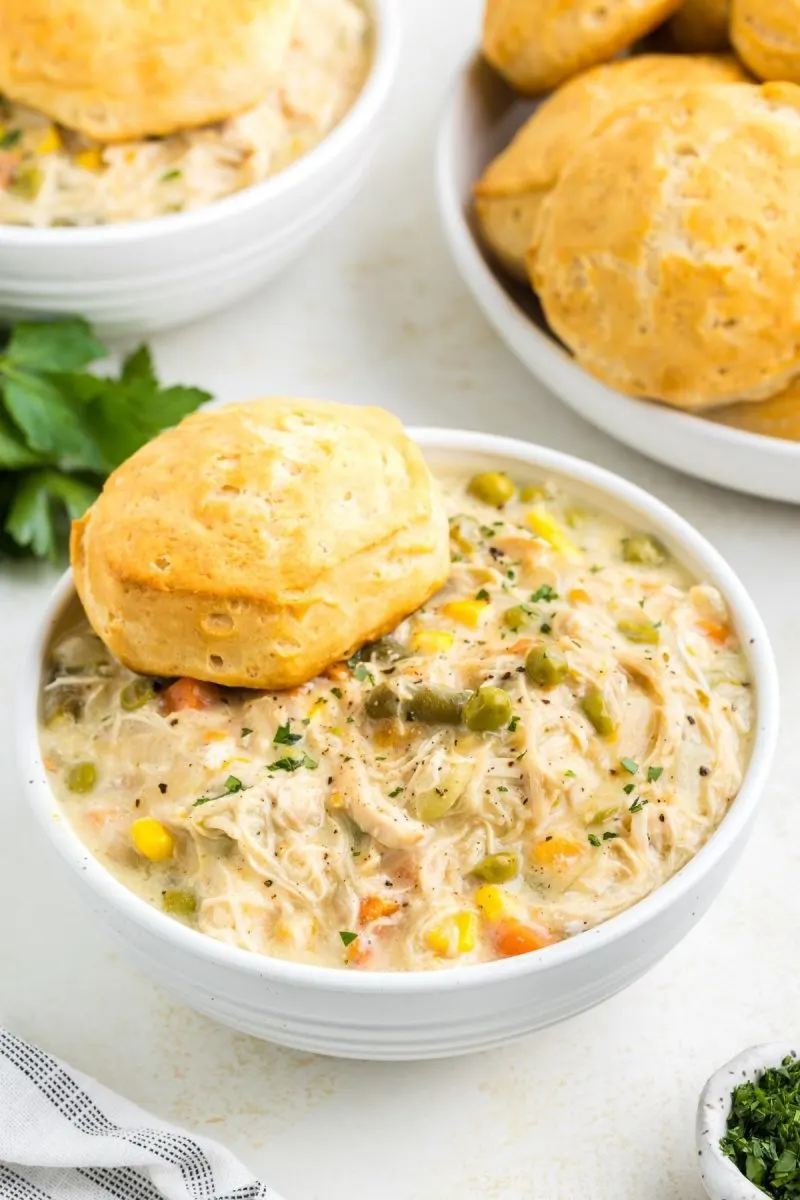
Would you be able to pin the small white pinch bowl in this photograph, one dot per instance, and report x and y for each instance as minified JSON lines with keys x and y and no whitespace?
{"x":721,"y":1178}
{"x":138,"y":277}
{"x":433,"y":1014}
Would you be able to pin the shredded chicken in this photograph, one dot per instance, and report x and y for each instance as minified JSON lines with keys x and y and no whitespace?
{"x":319,"y":826}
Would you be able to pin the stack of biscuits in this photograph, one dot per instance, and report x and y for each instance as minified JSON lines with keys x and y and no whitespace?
{"x":649,"y":198}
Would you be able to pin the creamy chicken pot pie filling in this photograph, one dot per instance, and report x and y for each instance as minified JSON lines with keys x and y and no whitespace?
{"x":53,"y":176}
{"x":555,"y":734}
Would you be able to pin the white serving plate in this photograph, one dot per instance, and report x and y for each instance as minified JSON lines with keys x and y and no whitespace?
{"x":481,"y":116}
{"x":720,"y":1176}
{"x":433,"y":1014}
{"x":139,"y":277}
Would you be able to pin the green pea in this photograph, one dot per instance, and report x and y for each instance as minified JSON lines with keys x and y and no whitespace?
{"x":82,"y":777}
{"x":136,"y":694}
{"x":180,"y":904}
{"x":546,"y":666}
{"x":382,"y":703}
{"x":643,"y":548}
{"x":385,"y":651}
{"x":640,"y":631}
{"x":436,"y":706}
{"x":488,"y":710}
{"x":517,"y":617}
{"x":492,"y":487}
{"x":595,"y":707}
{"x":497,"y":868}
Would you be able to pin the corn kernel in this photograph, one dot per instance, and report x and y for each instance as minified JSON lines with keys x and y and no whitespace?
{"x":438,"y":939}
{"x":91,"y":159}
{"x":335,"y":800}
{"x":493,"y":901}
{"x":51,"y":142}
{"x":432,"y":641}
{"x":152,"y":840}
{"x":546,"y":853}
{"x":466,"y":612}
{"x":547,"y":527}
{"x":578,"y":596}
{"x":467,"y":926}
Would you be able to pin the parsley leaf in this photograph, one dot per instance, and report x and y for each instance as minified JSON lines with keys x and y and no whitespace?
{"x":62,"y":429}
{"x":244,"y":732}
{"x":482,"y":594}
{"x":594,"y":840}
{"x":347,"y":936}
{"x":284,"y":735}
{"x":513,"y":723}
{"x":628,"y":788}
{"x":361,"y":673}
{"x":545,"y":592}
{"x":337,"y":692}
{"x":654,"y":773}
{"x":10,"y":139}
{"x":292,"y":764}
{"x":638,"y":805}
{"x":629,"y":765}
{"x":232,"y":785}
{"x":396,"y":792}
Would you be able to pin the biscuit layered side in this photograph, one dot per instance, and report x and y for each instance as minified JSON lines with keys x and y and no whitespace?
{"x":536,"y":46}
{"x":667,"y":252}
{"x":117,"y":69}
{"x":255,"y":545}
{"x":510,"y":193}
{"x":766,"y":34}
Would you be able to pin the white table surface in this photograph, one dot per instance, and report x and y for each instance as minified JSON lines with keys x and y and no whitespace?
{"x":599,"y":1108}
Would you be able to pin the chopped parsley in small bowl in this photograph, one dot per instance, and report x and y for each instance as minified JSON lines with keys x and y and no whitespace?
{"x":748,"y":1126}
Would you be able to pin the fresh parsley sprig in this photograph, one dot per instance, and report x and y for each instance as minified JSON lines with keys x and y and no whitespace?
{"x":63,"y":429}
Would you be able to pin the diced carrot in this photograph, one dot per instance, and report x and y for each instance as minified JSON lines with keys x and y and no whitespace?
{"x":548,"y":852}
{"x":372,"y":908}
{"x":522,"y":646}
{"x":514,"y":937}
{"x":190,"y":693}
{"x":714,"y":630}
{"x":357,"y":954}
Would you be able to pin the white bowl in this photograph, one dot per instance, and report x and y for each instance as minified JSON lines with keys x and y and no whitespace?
{"x":434,"y":1014}
{"x":481,"y":116}
{"x":721,"y":1177}
{"x":141,"y":276}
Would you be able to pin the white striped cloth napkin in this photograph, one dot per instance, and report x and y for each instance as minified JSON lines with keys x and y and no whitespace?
{"x":63,"y":1136}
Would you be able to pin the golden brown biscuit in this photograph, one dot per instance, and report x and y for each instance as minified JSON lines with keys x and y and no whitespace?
{"x":117,"y":69}
{"x":666,"y":256}
{"x":509,"y":194}
{"x":256,"y":544}
{"x":766,"y":34}
{"x":537,"y":44}
{"x":701,"y":25}
{"x":778,"y":417}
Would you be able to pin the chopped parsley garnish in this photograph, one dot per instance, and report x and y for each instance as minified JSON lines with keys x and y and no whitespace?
{"x":482,"y":594}
{"x":244,"y":732}
{"x":361,"y":673}
{"x":608,"y":835}
{"x":337,"y":692}
{"x":513,"y":723}
{"x":654,"y":773}
{"x":628,"y":788}
{"x":292,"y":764}
{"x":638,"y":805}
{"x":546,"y":628}
{"x":487,"y":531}
{"x":594,"y":840}
{"x":570,"y":775}
{"x":168,"y":175}
{"x":232,"y":784}
{"x":10,"y":138}
{"x":396,"y":792}
{"x":763,"y":1135}
{"x":545,"y":592}
{"x":284,"y":735}
{"x":630,"y":766}
{"x":347,"y":936}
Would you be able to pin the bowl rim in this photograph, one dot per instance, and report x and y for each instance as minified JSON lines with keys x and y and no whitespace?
{"x":722,"y":1179}
{"x":386,"y":27}
{"x":761,"y":663}
{"x":503,"y":312}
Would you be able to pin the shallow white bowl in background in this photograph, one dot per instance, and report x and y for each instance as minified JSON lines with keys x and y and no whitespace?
{"x":138,"y":277}
{"x":481,"y":116}
{"x":721,"y":1177}
{"x":438,"y":1013}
